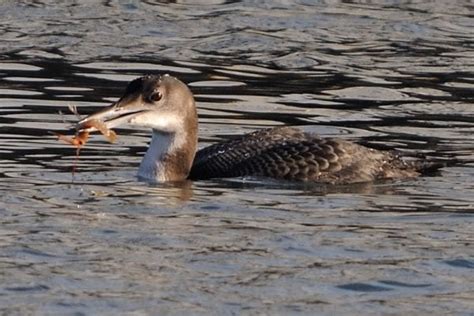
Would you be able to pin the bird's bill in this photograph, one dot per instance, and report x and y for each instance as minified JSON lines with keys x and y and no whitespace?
{"x":117,"y":114}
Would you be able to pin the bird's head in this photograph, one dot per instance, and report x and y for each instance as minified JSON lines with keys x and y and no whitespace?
{"x":162,"y":103}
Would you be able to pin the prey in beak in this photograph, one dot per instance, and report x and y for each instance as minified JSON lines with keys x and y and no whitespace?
{"x":121,"y":112}
{"x":104,"y":121}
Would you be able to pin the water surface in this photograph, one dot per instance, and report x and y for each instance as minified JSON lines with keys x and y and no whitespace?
{"x":397,"y":75}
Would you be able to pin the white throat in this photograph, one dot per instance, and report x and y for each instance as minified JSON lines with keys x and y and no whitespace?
{"x":153,"y":166}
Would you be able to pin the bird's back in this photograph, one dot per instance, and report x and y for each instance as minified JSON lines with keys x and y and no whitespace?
{"x":291,"y":154}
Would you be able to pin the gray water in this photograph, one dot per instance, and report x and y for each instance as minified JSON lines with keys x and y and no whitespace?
{"x":392,"y":74}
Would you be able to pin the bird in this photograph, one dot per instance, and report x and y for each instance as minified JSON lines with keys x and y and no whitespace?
{"x":166,"y":105}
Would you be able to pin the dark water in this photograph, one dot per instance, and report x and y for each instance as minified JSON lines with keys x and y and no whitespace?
{"x":396,"y":74}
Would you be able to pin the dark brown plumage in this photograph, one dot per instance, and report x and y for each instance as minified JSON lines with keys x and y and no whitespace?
{"x":291,"y":154}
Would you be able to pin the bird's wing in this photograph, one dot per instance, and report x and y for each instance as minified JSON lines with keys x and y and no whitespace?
{"x":286,"y":153}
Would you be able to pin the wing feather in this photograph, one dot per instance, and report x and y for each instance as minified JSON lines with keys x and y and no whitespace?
{"x":284,"y":152}
{"x":289,"y":153}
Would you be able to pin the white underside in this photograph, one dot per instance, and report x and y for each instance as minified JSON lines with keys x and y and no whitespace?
{"x":165,"y":140}
{"x":152,"y":167}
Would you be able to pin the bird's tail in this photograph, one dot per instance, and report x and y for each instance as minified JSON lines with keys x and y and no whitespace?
{"x":431,"y":167}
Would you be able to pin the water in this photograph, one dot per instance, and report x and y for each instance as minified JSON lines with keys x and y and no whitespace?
{"x":397,"y":74}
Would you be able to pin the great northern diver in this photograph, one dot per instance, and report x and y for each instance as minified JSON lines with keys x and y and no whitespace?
{"x":166,"y":105}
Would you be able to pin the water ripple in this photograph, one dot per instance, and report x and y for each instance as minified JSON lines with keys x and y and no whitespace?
{"x":393,"y":75}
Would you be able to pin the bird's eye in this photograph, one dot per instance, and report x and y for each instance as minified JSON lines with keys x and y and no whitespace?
{"x":156,"y":96}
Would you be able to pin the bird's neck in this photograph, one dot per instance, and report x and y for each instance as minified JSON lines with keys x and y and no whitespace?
{"x":169,"y":156}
